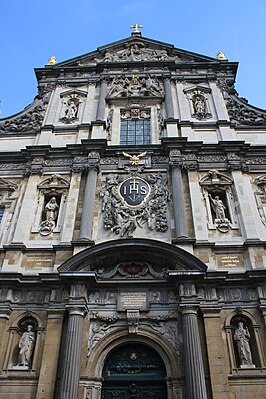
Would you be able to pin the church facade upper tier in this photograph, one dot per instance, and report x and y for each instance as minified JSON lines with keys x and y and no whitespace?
{"x":136,"y":91}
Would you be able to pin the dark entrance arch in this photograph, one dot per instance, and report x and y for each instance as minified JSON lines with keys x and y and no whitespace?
{"x":134,"y":371}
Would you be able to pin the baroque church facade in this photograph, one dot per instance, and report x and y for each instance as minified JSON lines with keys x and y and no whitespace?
{"x":133,"y":230}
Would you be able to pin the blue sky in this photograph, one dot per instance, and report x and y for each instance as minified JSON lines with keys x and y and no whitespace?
{"x":33,"y":30}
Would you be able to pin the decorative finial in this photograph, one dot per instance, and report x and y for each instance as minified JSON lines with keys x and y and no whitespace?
{"x":221,"y":56}
{"x":52,"y":60}
{"x":136,"y":28}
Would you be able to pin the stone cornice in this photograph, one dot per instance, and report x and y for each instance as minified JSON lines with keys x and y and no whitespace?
{"x":192,"y":155}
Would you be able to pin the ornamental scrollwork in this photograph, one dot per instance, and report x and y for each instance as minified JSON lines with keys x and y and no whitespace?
{"x":32,"y":120}
{"x":242,"y":114}
{"x":134,"y":203}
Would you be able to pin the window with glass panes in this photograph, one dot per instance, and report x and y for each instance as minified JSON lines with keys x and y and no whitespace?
{"x":135,"y":132}
{"x":1,"y":213}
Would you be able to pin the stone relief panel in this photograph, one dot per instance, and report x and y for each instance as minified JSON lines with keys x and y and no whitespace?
{"x":199,"y":102}
{"x":168,"y":329}
{"x":135,"y":86}
{"x":136,"y":202}
{"x":71,"y":102}
{"x":217,"y":193}
{"x":135,"y":51}
{"x":100,"y":326}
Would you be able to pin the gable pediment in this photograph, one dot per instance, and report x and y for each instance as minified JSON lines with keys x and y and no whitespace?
{"x":135,"y":49}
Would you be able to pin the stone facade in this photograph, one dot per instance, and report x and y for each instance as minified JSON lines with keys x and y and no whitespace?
{"x":133,"y":220}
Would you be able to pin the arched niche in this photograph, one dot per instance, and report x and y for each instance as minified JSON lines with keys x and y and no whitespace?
{"x":53,"y":188}
{"x":245,"y":320}
{"x":217,"y":189}
{"x":15,"y":344}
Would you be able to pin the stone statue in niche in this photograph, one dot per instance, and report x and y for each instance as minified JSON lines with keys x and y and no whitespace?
{"x":71,"y":110}
{"x":51,"y":213}
{"x":198,"y":98}
{"x":70,"y":113}
{"x":242,"y":337}
{"x":218,"y":207}
{"x":26,"y":346}
{"x":221,"y":221}
{"x":199,"y":105}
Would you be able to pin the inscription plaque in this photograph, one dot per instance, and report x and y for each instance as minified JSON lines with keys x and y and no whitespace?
{"x":230,"y":260}
{"x":137,"y":300}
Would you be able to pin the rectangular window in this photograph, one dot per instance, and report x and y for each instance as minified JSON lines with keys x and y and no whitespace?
{"x":135,"y":132}
{"x":1,"y":213}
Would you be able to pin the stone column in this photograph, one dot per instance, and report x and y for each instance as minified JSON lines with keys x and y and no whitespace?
{"x":101,"y":104}
{"x":169,"y":107}
{"x":194,"y":372}
{"x":71,"y":360}
{"x":178,"y":195}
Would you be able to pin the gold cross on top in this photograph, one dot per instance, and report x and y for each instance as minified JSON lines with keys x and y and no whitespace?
{"x":136,"y":28}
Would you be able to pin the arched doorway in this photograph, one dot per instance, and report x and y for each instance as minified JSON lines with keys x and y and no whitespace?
{"x":134,"y":371}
